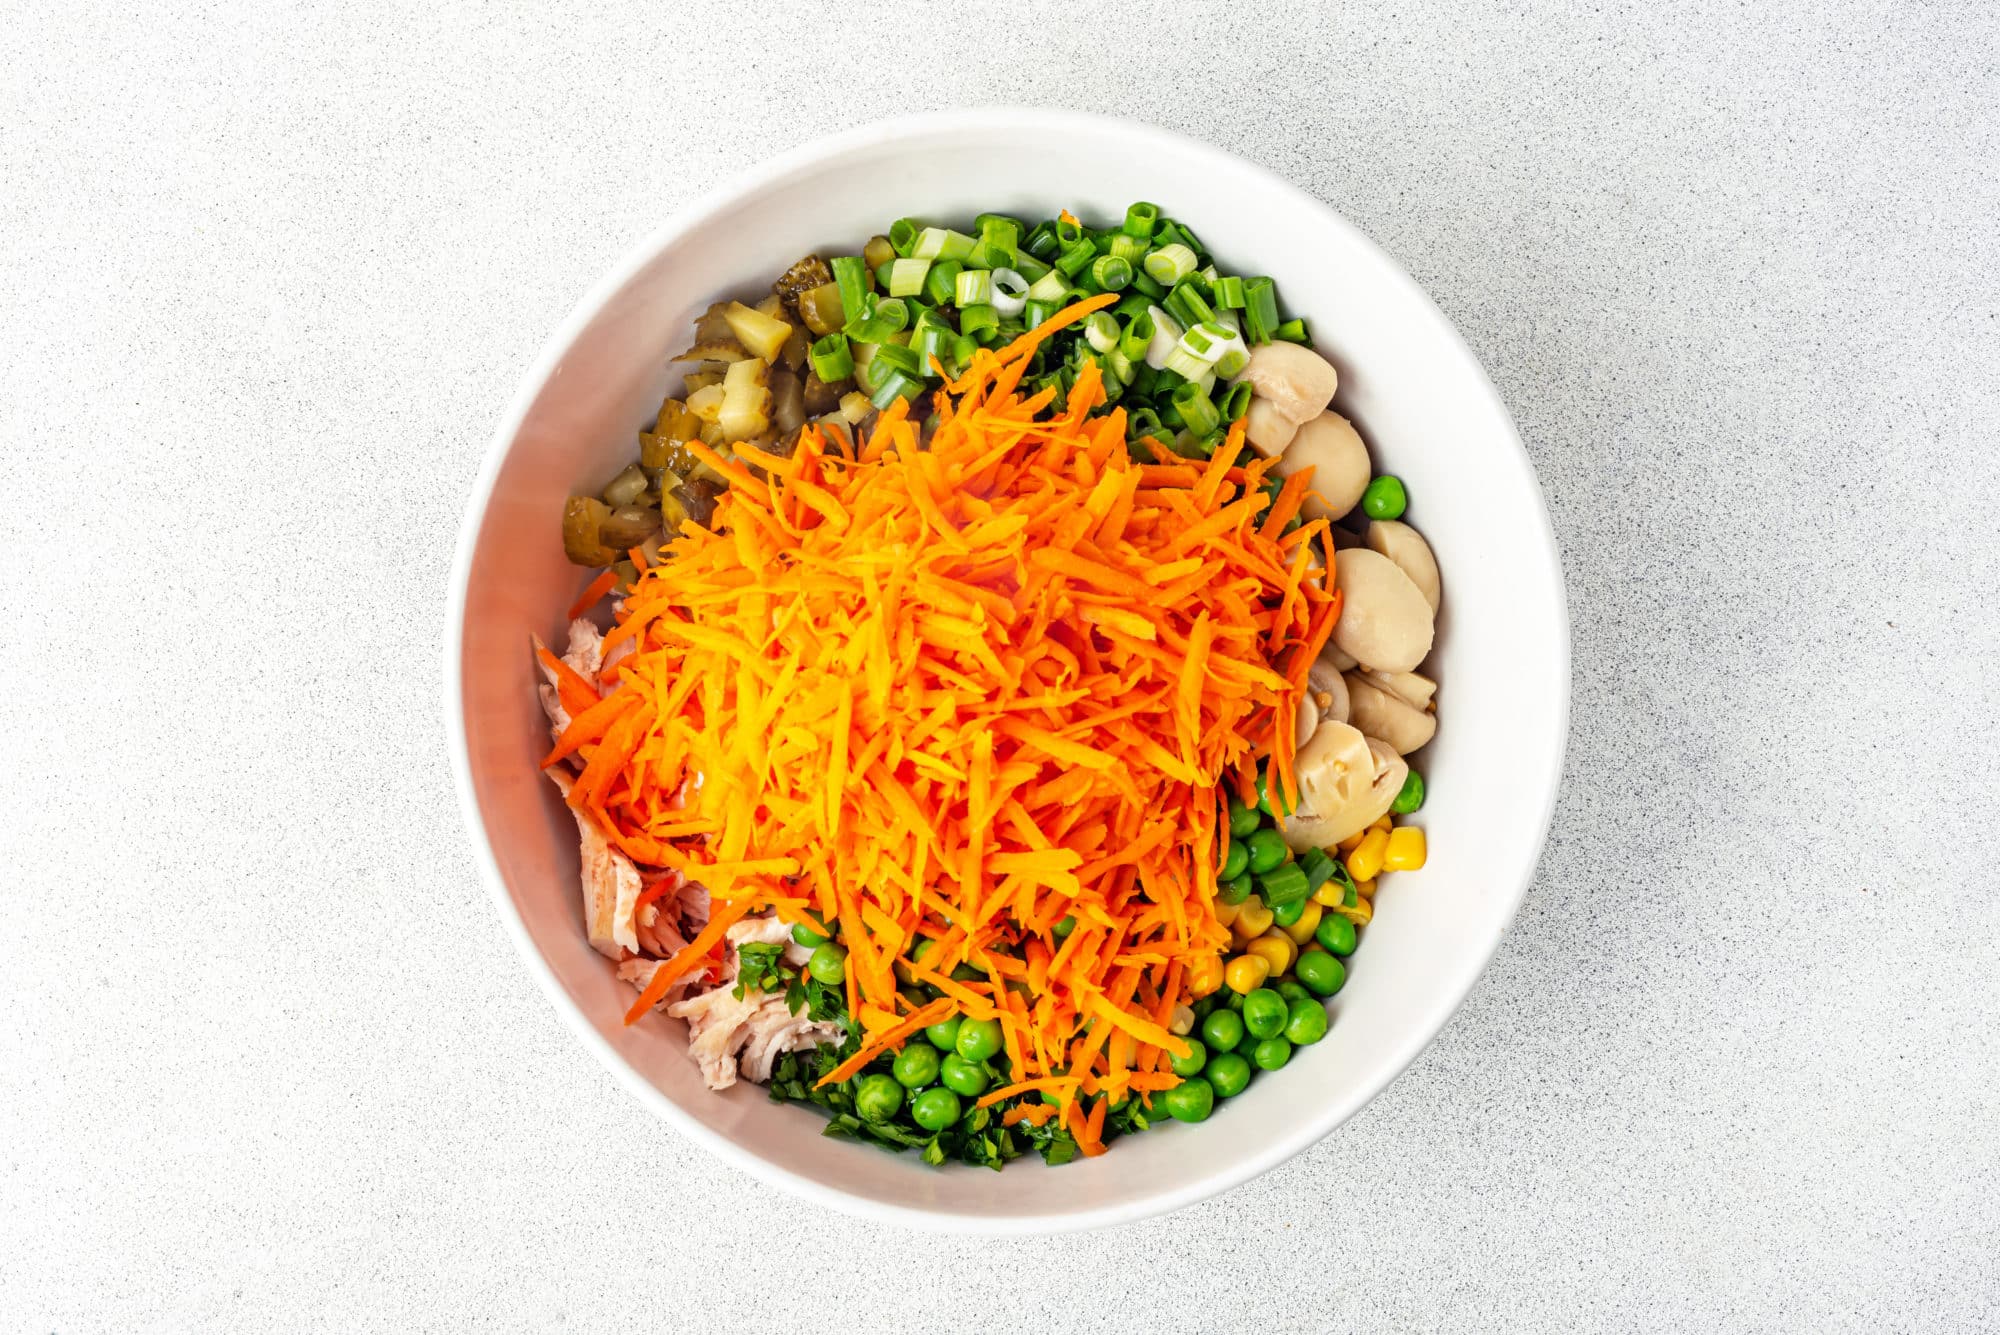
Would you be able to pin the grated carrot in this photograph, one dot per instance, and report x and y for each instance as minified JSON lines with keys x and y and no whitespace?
{"x":947,"y":692}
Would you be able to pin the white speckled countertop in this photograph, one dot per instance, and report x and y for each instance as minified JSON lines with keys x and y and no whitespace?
{"x":268,"y":274}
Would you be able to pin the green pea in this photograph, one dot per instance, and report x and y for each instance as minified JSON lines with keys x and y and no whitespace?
{"x":1288,"y":914}
{"x":806,"y":936}
{"x":1336,"y":934}
{"x":1233,"y":999}
{"x":1292,"y":990}
{"x":963,"y":1077}
{"x":1065,"y":925}
{"x":1192,"y":1063}
{"x":1271,"y":1054}
{"x":1266,"y":799}
{"x":877,"y":1098}
{"x":944,"y":1034}
{"x":1264,"y":1013}
{"x":1322,"y":974}
{"x":1222,"y":1030}
{"x":1307,"y":1023}
{"x":935,"y":1109}
{"x":1410,"y":796}
{"x":1237,"y":890}
{"x":1203,"y":1007}
{"x":966,"y":973}
{"x":1268,"y":851}
{"x":916,"y":1065}
{"x":978,"y":1040}
{"x":1192,"y":1100}
{"x":1384,"y":498}
{"x":1242,"y":819}
{"x":1229,"y":1074}
{"x":1235,"y":862}
{"x":828,"y":963}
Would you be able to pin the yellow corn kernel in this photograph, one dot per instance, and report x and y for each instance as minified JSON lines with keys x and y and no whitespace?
{"x":1359,"y":914}
{"x":1366,"y":860}
{"x":1353,"y":841}
{"x":1366,"y":889}
{"x":1252,"y":919}
{"x":1246,"y":973}
{"x":1406,"y":850}
{"x":1384,"y":824}
{"x":1275,"y":949}
{"x":1226,"y":913}
{"x":1204,"y":975}
{"x":1308,"y":923}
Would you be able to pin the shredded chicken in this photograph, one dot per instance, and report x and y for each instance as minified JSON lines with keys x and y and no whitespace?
{"x":728,"y":1035}
{"x":610,"y":884}
{"x":586,"y":655}
{"x":639,"y":973}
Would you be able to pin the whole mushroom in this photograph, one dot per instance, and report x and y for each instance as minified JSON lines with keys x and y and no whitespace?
{"x":1412,"y":555}
{"x":1346,"y":782}
{"x":1380,"y":713}
{"x":1384,"y":621}
{"x":1297,"y":382}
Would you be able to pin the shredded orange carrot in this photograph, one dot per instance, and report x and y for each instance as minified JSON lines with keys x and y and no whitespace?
{"x":596,"y":589}
{"x":949,"y":690}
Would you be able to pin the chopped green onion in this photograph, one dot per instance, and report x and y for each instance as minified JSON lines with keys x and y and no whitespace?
{"x":935,"y":341}
{"x":1010,"y":292}
{"x":850,"y":273}
{"x":1068,"y":232}
{"x":864,"y":365}
{"x":1318,"y":867}
{"x":1076,"y":258}
{"x":1236,"y":402}
{"x":961,"y":352}
{"x":1101,"y":332}
{"x":999,"y":239}
{"x":903,"y":234}
{"x":1190,"y":446}
{"x":906,"y":277}
{"x":941,"y":243}
{"x":1187,"y":304}
{"x":1231,"y":356}
{"x":1166,"y":338}
{"x":1130,"y":249}
{"x":1141,"y":422}
{"x":978,"y":320}
{"x":896,"y":385}
{"x":1037,"y":311}
{"x":1130,"y":306}
{"x":891,"y":357}
{"x":941,"y":285}
{"x":882,"y":272}
{"x":1110,"y":273}
{"x":1229,"y":293}
{"x":1050,"y":287}
{"x":1117,"y":367}
{"x":1170,"y":264}
{"x":1196,"y":409}
{"x":1138,"y":334}
{"x":1260,"y":309}
{"x":1293,"y":331}
{"x":1029,"y":267}
{"x":1140,"y":219}
{"x":1145,"y":380}
{"x":832,"y":358}
{"x":1185,"y":364}
{"x":1143,"y":284}
{"x":895,"y":311}
{"x":974,"y":287}
{"x":1205,"y":341}
{"x":1041,"y":242}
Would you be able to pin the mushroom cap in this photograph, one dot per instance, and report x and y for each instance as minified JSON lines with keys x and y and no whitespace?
{"x":1332,"y":448}
{"x":1384,"y":715}
{"x":1412,"y":555}
{"x":1295,"y":380}
{"x":1384,"y":621}
{"x":1346,"y":781}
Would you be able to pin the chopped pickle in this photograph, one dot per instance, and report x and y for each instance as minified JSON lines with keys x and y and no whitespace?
{"x":627,"y":487}
{"x":706,"y":402}
{"x":713,"y":326}
{"x":672,"y":511}
{"x":675,"y":422}
{"x":661,"y":453}
{"x":628,"y":575}
{"x":583,"y":519}
{"x":809,"y":272}
{"x":724,"y":350}
{"x":697,"y":382}
{"x":628,"y":526}
{"x":788,"y":401}
{"x":759,"y":331}
{"x":772,"y":307}
{"x":821,"y":310}
{"x":855,"y":407}
{"x":793,"y":355}
{"x":820,"y":397}
{"x":878,"y":252}
{"x":746,"y":401}
{"x":697,"y":498}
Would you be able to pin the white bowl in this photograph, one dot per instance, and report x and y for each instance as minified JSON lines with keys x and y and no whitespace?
{"x":1406,"y":378}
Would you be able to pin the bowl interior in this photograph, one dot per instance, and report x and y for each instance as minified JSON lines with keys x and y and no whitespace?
{"x":1407,"y":380}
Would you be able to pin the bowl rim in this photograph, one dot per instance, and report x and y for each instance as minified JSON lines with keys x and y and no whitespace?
{"x":1548,"y":773}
